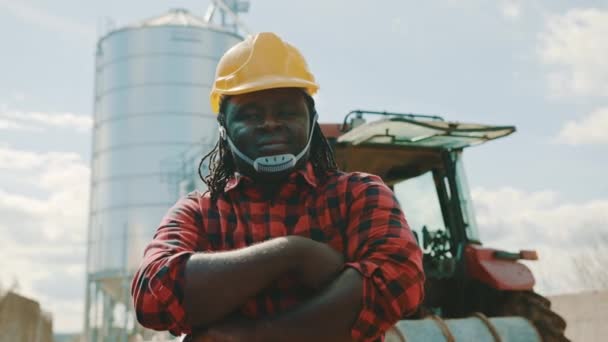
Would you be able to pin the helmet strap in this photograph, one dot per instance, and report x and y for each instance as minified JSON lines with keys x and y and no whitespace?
{"x":272,"y":163}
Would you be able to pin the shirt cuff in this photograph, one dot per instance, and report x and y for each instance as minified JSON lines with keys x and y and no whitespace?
{"x":170,"y":298}
{"x":366,"y":327}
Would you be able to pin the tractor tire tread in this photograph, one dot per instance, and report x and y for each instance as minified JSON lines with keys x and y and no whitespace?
{"x":536,"y":309}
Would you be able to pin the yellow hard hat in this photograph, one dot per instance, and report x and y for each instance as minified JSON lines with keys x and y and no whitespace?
{"x":262,"y":61}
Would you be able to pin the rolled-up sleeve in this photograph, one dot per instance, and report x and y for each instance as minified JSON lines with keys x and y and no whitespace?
{"x":158,"y":285}
{"x":382,"y":248}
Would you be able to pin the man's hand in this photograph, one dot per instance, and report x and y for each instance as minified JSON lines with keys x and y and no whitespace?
{"x":317,"y":263}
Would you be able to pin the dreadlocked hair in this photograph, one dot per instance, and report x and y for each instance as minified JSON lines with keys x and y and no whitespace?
{"x":222,"y":167}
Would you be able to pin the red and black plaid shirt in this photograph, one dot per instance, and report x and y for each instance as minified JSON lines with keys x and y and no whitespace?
{"x":355,"y":213}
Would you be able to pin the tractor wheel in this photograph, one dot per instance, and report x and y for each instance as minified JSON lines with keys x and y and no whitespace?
{"x":535,"y":308}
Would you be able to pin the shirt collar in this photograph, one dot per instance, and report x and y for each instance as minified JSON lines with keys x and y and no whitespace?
{"x":307,"y":173}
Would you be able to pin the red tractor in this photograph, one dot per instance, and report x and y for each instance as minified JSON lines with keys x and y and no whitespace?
{"x":420,"y":158}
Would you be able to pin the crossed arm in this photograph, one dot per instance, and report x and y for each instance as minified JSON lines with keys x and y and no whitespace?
{"x":241,"y":274}
{"x":176,"y":289}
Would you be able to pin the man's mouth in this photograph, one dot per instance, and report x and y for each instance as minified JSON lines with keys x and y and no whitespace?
{"x":273,"y":146}
{"x":274,"y":141}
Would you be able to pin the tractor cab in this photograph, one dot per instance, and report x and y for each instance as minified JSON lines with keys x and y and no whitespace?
{"x":420,"y":158}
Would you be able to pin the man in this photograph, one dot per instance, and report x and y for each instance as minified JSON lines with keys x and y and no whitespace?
{"x":282,"y":246}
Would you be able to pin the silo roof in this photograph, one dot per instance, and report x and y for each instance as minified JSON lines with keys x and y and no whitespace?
{"x":175,"y":17}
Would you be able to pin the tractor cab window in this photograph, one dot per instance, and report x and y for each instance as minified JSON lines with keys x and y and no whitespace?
{"x":420,"y":202}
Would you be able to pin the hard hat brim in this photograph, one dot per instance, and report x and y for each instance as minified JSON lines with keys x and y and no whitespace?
{"x":271,"y":82}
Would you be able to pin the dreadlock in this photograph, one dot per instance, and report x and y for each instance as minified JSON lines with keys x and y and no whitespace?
{"x":222,"y":167}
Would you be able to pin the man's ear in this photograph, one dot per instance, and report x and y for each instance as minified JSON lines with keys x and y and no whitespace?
{"x":222,"y":132}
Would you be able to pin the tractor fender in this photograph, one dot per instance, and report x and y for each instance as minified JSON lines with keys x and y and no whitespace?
{"x":501,"y":274}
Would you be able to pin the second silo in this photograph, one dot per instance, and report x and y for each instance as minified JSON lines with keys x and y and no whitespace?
{"x":152,"y":83}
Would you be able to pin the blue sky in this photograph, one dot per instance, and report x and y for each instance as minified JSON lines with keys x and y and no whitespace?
{"x":538,"y":65}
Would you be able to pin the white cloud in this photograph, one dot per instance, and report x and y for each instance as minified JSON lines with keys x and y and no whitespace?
{"x":15,"y":159}
{"x":63,"y":177}
{"x":592,"y":129}
{"x":44,"y":235}
{"x":511,"y":9}
{"x":36,"y":120}
{"x":41,"y":18}
{"x":575,"y":48}
{"x":14,"y":126}
{"x":515,"y":219}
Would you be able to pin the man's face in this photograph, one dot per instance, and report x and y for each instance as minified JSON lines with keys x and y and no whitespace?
{"x":268,"y":122}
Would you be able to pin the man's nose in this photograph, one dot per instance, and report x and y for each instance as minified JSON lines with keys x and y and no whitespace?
{"x":271,"y":120}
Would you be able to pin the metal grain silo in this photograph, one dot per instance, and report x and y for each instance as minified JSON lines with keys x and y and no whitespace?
{"x":152,"y":82}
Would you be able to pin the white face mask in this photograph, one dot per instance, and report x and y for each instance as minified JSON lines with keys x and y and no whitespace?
{"x":269,"y":164}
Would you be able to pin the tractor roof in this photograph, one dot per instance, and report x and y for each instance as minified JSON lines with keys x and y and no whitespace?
{"x":423,"y":131}
{"x":400,"y":146}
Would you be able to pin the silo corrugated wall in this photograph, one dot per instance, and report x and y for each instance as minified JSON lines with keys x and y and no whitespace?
{"x":151,"y":104}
